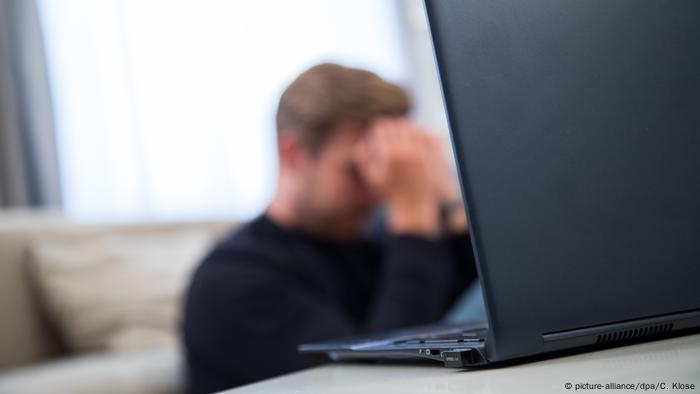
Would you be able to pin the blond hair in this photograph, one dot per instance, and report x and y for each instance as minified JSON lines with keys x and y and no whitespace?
{"x":327,"y":94}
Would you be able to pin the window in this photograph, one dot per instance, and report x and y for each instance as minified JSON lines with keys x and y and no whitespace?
{"x":165,"y":109}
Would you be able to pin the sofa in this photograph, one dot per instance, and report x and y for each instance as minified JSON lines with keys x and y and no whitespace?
{"x":94,"y":308}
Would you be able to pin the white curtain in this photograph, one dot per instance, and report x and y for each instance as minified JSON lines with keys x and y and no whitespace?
{"x":165,"y":108}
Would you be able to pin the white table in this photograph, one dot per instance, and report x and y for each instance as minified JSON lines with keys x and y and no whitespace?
{"x":675,"y":360}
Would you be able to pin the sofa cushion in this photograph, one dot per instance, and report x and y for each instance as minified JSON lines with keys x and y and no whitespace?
{"x":117,"y":290}
{"x":24,"y":335}
{"x":155,"y":371}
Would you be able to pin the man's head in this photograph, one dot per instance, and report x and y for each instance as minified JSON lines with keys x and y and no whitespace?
{"x":320,"y":119}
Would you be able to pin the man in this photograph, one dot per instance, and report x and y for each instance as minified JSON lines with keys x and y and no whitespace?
{"x":305,"y":270}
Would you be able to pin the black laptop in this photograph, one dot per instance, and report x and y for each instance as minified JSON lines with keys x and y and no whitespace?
{"x":576,"y":127}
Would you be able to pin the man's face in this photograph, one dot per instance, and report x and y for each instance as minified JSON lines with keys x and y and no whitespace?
{"x":334,"y":201}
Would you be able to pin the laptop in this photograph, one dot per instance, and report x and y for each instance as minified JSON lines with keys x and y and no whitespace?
{"x":576,"y":128}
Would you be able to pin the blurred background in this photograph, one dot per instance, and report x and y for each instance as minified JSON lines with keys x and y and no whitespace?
{"x":133,"y":134}
{"x":163,"y":110}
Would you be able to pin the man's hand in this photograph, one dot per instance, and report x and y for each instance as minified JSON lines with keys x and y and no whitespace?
{"x":450,"y":196}
{"x":397,"y":159}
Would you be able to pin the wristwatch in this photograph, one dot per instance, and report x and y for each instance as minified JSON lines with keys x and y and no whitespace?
{"x":447,"y":208}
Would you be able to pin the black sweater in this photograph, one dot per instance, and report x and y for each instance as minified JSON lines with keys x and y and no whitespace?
{"x":264,"y":289}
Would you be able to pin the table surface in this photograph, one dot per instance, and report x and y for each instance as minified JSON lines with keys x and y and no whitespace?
{"x":674,"y":360}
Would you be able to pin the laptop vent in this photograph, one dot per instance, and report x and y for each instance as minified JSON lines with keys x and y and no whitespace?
{"x":634,"y":333}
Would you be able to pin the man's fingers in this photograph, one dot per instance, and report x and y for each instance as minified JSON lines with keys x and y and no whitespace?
{"x":400,"y":138}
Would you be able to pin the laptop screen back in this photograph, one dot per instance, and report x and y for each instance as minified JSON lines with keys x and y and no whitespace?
{"x":576,"y":124}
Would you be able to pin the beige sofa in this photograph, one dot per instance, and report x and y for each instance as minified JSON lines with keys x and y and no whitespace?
{"x":59,"y":334}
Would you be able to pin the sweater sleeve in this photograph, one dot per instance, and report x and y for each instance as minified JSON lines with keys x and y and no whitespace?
{"x":465,"y":264}
{"x":415,"y":284}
